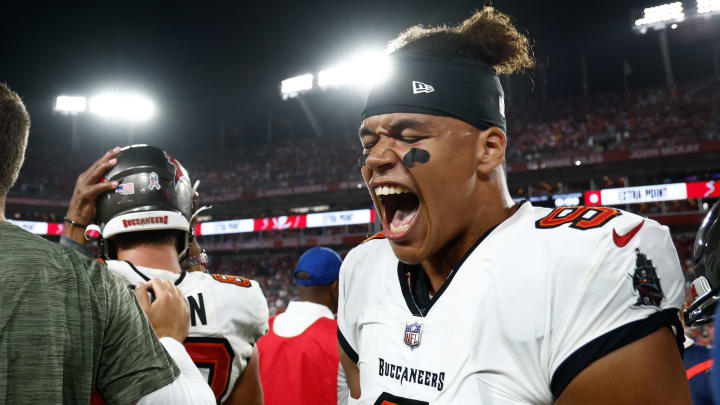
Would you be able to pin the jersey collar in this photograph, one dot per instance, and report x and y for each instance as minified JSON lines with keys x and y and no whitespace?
{"x":177,"y":281}
{"x":414,"y":283}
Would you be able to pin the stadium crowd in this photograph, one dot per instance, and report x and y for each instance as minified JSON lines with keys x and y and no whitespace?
{"x":645,"y":118}
{"x":272,"y":269}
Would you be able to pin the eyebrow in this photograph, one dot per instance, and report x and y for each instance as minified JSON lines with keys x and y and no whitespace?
{"x":364,"y":131}
{"x":397,"y":126}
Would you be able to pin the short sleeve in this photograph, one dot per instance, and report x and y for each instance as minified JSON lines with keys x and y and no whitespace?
{"x":347,"y":315}
{"x":261,"y":315}
{"x":249,"y":321}
{"x":133,"y":362}
{"x":631,"y":286}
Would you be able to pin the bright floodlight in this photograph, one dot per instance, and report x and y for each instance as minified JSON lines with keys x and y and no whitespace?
{"x":708,"y":6}
{"x":294,"y":85}
{"x":70,"y":105}
{"x":363,"y":70}
{"x":671,"y":12}
{"x":122,"y":106}
{"x":334,"y":76}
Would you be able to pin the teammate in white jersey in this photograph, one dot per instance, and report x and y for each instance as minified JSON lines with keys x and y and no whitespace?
{"x":145,"y":225}
{"x":469,"y":298}
{"x":228,"y":314}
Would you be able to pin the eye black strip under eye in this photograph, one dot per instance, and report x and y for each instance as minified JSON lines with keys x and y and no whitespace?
{"x":416,"y":155}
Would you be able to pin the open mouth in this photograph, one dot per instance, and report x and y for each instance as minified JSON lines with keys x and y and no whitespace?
{"x":400,"y":209}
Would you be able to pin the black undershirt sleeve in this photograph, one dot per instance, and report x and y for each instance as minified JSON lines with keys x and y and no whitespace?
{"x":611,"y":341}
{"x":65,"y":241}
{"x":346,"y":347}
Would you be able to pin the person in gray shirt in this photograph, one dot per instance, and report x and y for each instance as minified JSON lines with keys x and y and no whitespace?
{"x":67,"y":326}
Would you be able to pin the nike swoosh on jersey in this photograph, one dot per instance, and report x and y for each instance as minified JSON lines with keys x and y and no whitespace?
{"x":622,"y":240}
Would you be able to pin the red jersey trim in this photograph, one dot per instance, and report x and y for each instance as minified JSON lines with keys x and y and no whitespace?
{"x":699,"y":368}
{"x":379,"y":235}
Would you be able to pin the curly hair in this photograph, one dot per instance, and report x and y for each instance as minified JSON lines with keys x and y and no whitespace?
{"x":488,"y":36}
{"x":14,"y":127}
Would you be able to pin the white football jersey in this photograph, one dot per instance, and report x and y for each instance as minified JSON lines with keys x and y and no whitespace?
{"x":536,"y":300}
{"x":228,"y":314}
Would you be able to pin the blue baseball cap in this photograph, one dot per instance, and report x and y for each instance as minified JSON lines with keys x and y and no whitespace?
{"x":321,"y":264}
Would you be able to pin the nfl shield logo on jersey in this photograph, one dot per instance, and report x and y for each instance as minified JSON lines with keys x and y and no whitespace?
{"x":413,"y":334}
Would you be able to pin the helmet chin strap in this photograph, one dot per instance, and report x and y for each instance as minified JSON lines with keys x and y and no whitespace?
{"x":190,"y":234}
{"x":201,"y":209}
{"x":181,"y":255}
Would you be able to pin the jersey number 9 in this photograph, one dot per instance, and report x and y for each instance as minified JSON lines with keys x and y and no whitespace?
{"x":213,"y":356}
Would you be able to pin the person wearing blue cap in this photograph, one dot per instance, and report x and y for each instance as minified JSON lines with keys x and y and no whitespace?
{"x":299,"y":359}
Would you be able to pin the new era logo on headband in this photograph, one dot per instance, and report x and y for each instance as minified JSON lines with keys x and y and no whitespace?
{"x":420,"y":87}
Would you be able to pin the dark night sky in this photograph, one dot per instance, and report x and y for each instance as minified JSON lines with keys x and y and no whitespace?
{"x":208,"y":62}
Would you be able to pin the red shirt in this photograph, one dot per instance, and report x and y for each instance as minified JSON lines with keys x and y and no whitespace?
{"x":302,"y":369}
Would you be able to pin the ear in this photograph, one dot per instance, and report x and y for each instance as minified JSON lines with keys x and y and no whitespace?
{"x":490,"y":149}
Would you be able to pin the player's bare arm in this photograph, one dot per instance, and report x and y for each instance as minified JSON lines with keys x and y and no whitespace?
{"x":89,"y":185}
{"x":352,"y":373}
{"x":247,"y":389}
{"x":647,"y":371}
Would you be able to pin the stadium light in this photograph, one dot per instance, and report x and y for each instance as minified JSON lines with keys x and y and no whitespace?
{"x":708,"y":6}
{"x":362,"y":70}
{"x":122,"y":106}
{"x":293,"y":86}
{"x":71,"y":105}
{"x":658,"y":16}
{"x":334,"y":76}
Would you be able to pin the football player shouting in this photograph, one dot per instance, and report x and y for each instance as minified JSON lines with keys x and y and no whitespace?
{"x":145,"y":227}
{"x":468,"y":298}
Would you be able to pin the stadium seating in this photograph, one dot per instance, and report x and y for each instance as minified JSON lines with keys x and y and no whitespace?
{"x":604,"y":123}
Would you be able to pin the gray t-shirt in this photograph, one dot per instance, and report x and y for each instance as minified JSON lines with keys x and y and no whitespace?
{"x":67,"y":325}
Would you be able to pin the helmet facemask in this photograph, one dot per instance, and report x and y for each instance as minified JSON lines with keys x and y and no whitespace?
{"x":706,"y":255}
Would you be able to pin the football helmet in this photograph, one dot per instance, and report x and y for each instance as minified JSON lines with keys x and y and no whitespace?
{"x":706,"y":256}
{"x":153,"y":193}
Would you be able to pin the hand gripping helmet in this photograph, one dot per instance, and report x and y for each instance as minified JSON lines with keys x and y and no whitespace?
{"x":153,"y":193}
{"x":706,"y":255}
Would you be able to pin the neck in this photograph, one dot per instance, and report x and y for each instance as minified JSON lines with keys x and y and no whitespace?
{"x":162,"y":257}
{"x":497,"y":206}
{"x":2,"y":208}
{"x":317,"y":295}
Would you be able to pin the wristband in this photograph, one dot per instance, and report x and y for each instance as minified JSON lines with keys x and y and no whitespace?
{"x":191,"y":261}
{"x":73,"y":223}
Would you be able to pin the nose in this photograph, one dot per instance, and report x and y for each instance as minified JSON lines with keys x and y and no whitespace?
{"x":382,"y":156}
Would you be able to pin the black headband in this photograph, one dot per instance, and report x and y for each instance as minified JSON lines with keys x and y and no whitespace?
{"x":461,"y":88}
